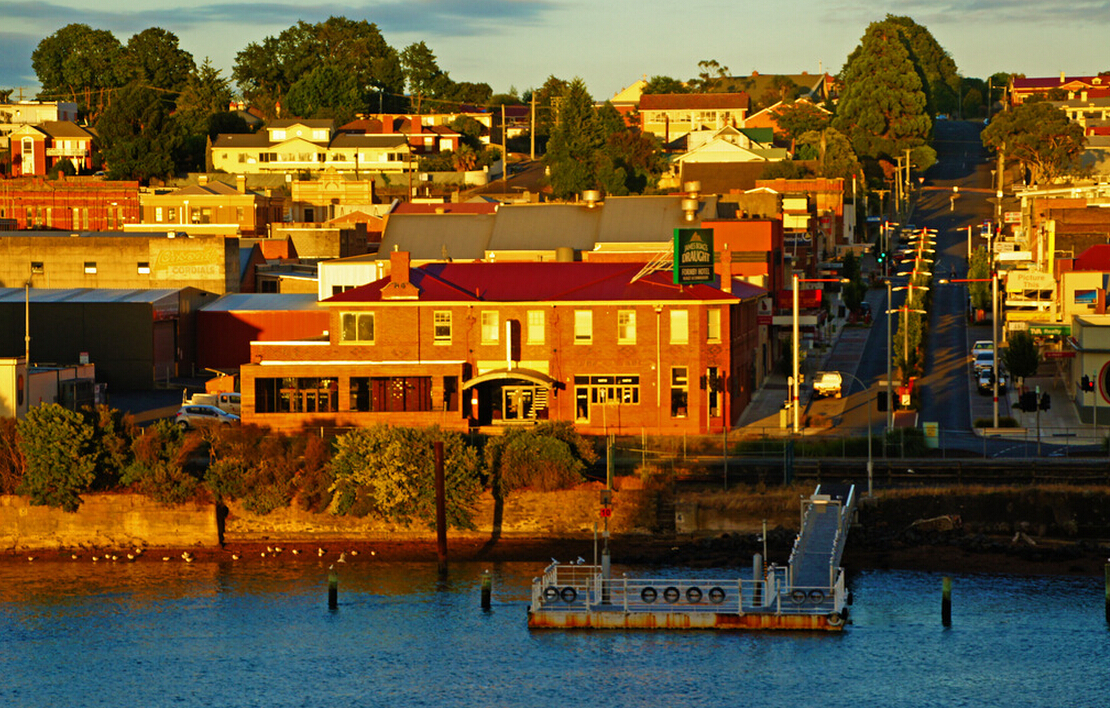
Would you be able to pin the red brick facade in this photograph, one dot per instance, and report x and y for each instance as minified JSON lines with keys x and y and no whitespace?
{"x":680,"y":362}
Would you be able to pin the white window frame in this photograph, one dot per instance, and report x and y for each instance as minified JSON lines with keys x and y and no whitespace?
{"x":491,"y":327}
{"x":713,"y":324}
{"x":680,"y":327}
{"x":626,"y":326}
{"x":441,"y":327}
{"x":583,"y":326}
{"x":357,"y":318}
{"x":536,"y":326}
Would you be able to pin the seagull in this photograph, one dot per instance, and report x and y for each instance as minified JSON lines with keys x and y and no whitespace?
{"x":342,"y":558}
{"x":373,"y":553}
{"x":95,"y":559}
{"x":130,"y":556}
{"x":581,"y":560}
{"x":270,"y":549}
{"x":278,"y":549}
{"x":320,"y":551}
{"x":354,"y":553}
{"x":234,"y":556}
{"x":75,"y":556}
{"x":165,"y":558}
{"x":30,"y":558}
{"x":556,"y":562}
{"x":295,"y":551}
{"x":263,"y":554}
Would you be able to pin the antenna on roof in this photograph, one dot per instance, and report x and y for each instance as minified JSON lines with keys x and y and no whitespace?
{"x":661,"y":261}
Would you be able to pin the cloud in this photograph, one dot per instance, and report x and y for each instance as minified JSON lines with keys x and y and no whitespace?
{"x":429,"y":17}
{"x":987,"y":14}
{"x":15,"y":61}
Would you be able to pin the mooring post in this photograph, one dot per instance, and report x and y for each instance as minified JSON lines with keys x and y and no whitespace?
{"x":487,"y":589}
{"x":946,"y":602}
{"x":758,"y":577}
{"x":333,"y":588}
{"x":441,"y":508}
{"x":1107,"y":570}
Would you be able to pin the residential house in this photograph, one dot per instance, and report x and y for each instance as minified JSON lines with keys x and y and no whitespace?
{"x":37,"y":149}
{"x":425,"y":134}
{"x":1022,"y":88}
{"x":463,"y":345}
{"x":20,"y":113}
{"x":309,"y":146}
{"x":669,"y":116}
{"x":69,"y":204}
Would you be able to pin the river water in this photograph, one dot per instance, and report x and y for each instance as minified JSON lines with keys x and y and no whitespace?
{"x":222,"y":634}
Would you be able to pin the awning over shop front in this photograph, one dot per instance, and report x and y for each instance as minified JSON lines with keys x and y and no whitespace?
{"x":537,"y":377}
{"x":1048,"y":329}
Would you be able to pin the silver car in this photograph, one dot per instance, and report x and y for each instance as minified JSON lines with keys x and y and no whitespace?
{"x":195,"y":415}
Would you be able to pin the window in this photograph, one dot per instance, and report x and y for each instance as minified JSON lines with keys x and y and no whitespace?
{"x":296,"y":395}
{"x":37,"y":268}
{"x":369,"y":394}
{"x":599,"y":390}
{"x":90,"y":267}
{"x":144,"y":267}
{"x":583,"y":326}
{"x":713,"y":325}
{"x":441,"y":327}
{"x":535,"y":327}
{"x":679,"y":392}
{"x":158,"y":214}
{"x":356,"y":327}
{"x":626,"y":327}
{"x":680,"y":327}
{"x":491,"y":328}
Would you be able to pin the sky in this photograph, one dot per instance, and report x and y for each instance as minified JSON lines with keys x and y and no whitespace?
{"x":608,"y":43}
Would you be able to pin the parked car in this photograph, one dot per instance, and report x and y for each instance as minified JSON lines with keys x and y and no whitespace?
{"x":226,"y":401}
{"x":192,"y":416}
{"x":983,"y":360}
{"x":986,"y":381}
{"x":982,"y":345}
{"x":827,"y":383}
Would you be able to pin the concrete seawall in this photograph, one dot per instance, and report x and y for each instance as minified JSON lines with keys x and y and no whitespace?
{"x":106,"y":520}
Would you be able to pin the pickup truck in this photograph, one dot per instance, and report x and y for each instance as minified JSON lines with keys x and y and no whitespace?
{"x":827,"y":383}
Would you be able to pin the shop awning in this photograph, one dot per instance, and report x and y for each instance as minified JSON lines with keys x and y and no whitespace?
{"x":537,"y":377}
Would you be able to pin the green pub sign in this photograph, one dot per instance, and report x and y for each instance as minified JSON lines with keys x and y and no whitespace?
{"x":693,"y":256}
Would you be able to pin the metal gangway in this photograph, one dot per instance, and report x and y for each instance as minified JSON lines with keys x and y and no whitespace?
{"x":815,"y":559}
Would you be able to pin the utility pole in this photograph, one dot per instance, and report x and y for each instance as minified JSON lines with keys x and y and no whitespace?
{"x":533,"y":131}
{"x":504,"y":149}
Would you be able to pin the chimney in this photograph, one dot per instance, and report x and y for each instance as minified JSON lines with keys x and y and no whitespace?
{"x":591,"y":197}
{"x":724,"y":269}
{"x":414,"y":125}
{"x":1061,"y":77}
{"x":1100,"y":302}
{"x":241,"y":184}
{"x":202,"y":180}
{"x":387,"y":124}
{"x":399,"y":287}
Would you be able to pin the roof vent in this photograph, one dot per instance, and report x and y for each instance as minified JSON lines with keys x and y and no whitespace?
{"x":591,"y":197}
{"x":692,"y":189}
{"x":690,"y":208}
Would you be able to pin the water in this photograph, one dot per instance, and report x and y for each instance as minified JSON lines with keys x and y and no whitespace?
{"x":172,"y":634}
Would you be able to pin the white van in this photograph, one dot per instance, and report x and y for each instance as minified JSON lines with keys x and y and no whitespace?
{"x":228,"y":402}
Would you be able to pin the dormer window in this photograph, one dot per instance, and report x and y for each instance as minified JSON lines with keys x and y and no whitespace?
{"x":278,"y":134}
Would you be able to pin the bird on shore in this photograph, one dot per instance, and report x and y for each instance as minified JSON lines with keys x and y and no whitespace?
{"x":354,"y":553}
{"x":234,"y":556}
{"x":342,"y":558}
{"x":75,"y":556}
{"x":295,"y":551}
{"x":95,"y":559}
{"x":30,"y":558}
{"x":320,"y":551}
{"x":165,"y":558}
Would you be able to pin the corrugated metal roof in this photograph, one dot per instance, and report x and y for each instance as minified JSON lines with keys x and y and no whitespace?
{"x":88,"y":295}
{"x":648,"y":219}
{"x":431,"y":236}
{"x":538,"y":282}
{"x":262,"y":302}
{"x":89,"y":234}
{"x":692,"y":101}
{"x":545,"y":227}
{"x":368,"y":141}
{"x":1095,"y":258}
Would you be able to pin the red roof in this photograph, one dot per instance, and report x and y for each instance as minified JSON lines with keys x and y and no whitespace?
{"x":693,"y":101}
{"x":538,"y":282}
{"x":1095,"y":258}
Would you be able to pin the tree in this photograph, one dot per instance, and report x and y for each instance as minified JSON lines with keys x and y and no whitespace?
{"x":422,"y":73}
{"x":390,"y":471}
{"x":327,"y":91}
{"x":1039,"y":136}
{"x":832,"y":153}
{"x":1021,"y":358}
{"x":883,"y":107}
{"x":154,"y":59}
{"x":576,"y":139}
{"x":940,"y":77}
{"x":12,"y":464}
{"x":469,"y":129}
{"x":57,"y":445}
{"x":546,"y":457}
{"x":798,"y":117}
{"x":79,"y":64}
{"x":160,"y":455}
{"x":139,"y":139}
{"x":547,"y":98}
{"x":978,"y":268}
{"x":710,"y":74}
{"x":266,"y":72}
{"x":665,"y":84}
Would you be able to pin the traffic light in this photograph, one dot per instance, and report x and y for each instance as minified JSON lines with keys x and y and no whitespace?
{"x":1028,"y":401}
{"x":1086,"y":384}
{"x":1046,"y":402}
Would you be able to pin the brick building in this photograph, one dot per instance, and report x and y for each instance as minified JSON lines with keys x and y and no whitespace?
{"x":461,"y":345}
{"x":72,"y":204}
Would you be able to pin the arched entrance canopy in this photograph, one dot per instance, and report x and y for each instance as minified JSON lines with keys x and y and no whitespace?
{"x":536,"y":377}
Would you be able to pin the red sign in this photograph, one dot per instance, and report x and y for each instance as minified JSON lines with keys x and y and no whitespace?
{"x":807,"y":299}
{"x":606,"y":512}
{"x":1059,"y":355}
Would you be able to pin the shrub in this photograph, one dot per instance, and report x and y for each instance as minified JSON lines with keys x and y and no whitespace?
{"x":546,"y":457}
{"x":259,"y":468}
{"x":57,"y":445}
{"x":390,"y":472}
{"x":159,"y":468}
{"x":12,"y":464}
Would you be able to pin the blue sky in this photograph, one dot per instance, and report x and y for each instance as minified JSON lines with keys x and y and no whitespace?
{"x":609,"y":43}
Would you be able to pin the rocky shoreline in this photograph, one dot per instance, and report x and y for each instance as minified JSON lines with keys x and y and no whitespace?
{"x":955,"y":553}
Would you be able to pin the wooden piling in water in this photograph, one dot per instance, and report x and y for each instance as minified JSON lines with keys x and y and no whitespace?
{"x":1107,"y":571}
{"x":441,"y":507}
{"x":946,"y":602}
{"x":487,"y":589}
{"x":333,"y":588}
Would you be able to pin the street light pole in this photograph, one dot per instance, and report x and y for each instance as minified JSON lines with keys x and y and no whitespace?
{"x":797,"y":348}
{"x":889,"y":356}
